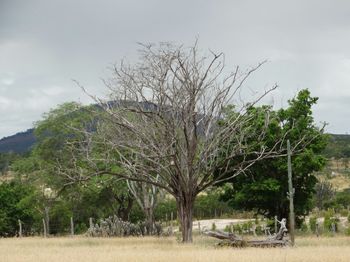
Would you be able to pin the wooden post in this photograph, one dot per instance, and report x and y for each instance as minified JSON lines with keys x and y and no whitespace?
{"x":47,"y":220}
{"x":317,"y":229}
{"x":199,"y":227}
{"x":276,"y":224}
{"x":71,"y":226}
{"x":291,"y":196}
{"x":44,"y":225}
{"x":91,"y":225}
{"x":333,"y":228}
{"x":171,"y":222}
{"x":20,"y":228}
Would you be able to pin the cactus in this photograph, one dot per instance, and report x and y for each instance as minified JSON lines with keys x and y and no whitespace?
{"x":113,"y":226}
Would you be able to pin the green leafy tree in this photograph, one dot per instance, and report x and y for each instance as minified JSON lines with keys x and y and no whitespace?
{"x":264,"y":188}
{"x":6,"y":159}
{"x":50,"y":163}
{"x":11,"y":210}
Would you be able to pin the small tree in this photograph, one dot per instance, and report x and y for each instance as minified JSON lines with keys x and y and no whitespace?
{"x":324,"y":192}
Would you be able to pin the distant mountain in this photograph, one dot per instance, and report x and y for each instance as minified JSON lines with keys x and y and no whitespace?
{"x":338,"y":146}
{"x":18,"y":143}
{"x":22,"y":142}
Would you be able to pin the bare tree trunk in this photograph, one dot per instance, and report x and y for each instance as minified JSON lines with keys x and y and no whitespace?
{"x":185,"y":213}
{"x":124,"y":209}
{"x":149,"y":220}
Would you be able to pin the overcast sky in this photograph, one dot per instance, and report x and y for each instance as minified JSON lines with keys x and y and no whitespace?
{"x":45,"y":44}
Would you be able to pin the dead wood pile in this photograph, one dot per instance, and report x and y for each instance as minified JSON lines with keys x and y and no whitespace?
{"x":230,"y":239}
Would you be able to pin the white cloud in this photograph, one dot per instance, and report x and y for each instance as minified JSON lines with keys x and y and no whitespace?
{"x":8,"y":81}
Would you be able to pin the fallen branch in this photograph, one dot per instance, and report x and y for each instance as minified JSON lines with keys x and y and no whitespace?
{"x":230,"y":239}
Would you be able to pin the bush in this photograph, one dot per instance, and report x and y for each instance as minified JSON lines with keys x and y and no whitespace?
{"x":303,"y":227}
{"x":208,"y":205}
{"x":344,"y":212}
{"x":11,"y":194}
{"x":259,"y":230}
{"x":313,"y":224}
{"x":164,"y":209}
{"x":60,"y":215}
{"x":329,"y":221}
{"x":238,"y":229}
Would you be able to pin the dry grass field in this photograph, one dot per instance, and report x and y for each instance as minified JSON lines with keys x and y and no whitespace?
{"x":165,"y":249}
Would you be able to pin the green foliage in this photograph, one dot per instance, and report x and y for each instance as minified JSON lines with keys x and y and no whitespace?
{"x":313,"y":224}
{"x":329,"y":220}
{"x":11,"y":210}
{"x":263,"y":188}
{"x":338,"y":147}
{"x":205,"y":206}
{"x":164,"y":209}
{"x":59,"y":137}
{"x":303,"y":227}
{"x":210,"y":204}
{"x":340,"y":201}
{"x":347,"y":231}
{"x":6,"y":159}
{"x":324,"y":192}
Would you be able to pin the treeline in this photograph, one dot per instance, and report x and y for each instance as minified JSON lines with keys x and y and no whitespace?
{"x":262,"y":189}
{"x":338,"y":147}
{"x":24,"y":201}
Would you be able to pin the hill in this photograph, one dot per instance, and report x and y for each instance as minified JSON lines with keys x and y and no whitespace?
{"x":337,"y":148}
{"x":18,"y":143}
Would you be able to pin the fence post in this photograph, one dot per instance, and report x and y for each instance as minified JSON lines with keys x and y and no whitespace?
{"x":91,"y":224}
{"x":47,"y":220}
{"x":44,"y":224}
{"x":71,"y":226}
{"x":276,"y":224}
{"x":171,"y":222}
{"x":20,"y":228}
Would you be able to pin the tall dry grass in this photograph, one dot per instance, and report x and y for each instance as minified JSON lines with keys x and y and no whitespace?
{"x":165,"y":249}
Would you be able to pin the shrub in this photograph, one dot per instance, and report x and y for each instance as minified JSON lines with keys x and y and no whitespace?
{"x":303,"y":227}
{"x":312,"y":224}
{"x":329,"y":221}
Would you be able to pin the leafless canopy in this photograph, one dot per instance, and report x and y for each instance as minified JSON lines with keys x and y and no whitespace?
{"x":164,"y":118}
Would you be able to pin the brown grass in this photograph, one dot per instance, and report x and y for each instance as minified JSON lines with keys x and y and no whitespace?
{"x":165,"y":249}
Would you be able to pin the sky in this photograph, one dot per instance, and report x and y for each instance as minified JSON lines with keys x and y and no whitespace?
{"x":45,"y":44}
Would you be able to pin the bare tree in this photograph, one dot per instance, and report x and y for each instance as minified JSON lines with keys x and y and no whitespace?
{"x":161,"y":125}
{"x":324,"y":191}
